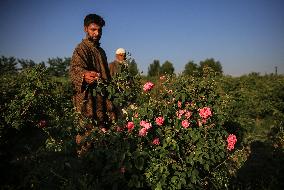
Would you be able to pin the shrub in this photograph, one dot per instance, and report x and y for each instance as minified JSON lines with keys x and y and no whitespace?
{"x":171,"y":138}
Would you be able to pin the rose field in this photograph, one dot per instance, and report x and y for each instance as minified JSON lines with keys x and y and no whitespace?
{"x":174,"y":132}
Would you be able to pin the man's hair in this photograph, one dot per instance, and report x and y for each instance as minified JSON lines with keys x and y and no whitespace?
{"x":94,"y":18}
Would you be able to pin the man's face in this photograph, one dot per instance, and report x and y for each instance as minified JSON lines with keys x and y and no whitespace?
{"x":121,"y":57}
{"x":93,"y":32}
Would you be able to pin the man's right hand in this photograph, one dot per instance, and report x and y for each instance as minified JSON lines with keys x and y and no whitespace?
{"x":91,"y":76}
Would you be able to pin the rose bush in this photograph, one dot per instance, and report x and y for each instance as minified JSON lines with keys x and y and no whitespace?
{"x":41,"y":106}
{"x":182,"y":122}
{"x":191,"y":143}
{"x":37,"y":128}
{"x":172,"y":137}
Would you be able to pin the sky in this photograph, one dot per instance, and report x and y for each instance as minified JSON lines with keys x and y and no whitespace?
{"x":243,"y":35}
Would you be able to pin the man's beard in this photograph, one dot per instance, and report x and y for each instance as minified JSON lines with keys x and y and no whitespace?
{"x":93,"y":39}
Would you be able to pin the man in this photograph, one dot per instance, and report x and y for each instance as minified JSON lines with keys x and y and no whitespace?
{"x":88,"y":65}
{"x":120,"y":57}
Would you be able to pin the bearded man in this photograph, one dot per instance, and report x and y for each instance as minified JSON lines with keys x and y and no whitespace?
{"x":88,"y":65}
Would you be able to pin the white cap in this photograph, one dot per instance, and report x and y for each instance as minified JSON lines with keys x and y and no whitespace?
{"x":120,"y":51}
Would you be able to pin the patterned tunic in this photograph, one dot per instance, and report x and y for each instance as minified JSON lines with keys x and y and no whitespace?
{"x":88,"y":56}
{"x":114,"y":67}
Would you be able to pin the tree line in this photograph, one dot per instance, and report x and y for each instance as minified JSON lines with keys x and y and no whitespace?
{"x":59,"y":66}
{"x":191,"y":68}
{"x":55,"y":66}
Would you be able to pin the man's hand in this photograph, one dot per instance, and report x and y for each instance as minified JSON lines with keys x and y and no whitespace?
{"x":91,"y":76}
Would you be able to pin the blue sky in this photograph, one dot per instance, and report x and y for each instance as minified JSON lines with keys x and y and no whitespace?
{"x":244,"y":35}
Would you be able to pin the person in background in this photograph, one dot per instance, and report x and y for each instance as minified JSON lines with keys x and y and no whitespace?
{"x":120,"y":59}
{"x":88,"y":65}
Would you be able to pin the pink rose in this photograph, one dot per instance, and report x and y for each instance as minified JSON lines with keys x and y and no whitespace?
{"x":188,"y":114}
{"x":201,"y":122}
{"x":205,"y":112}
{"x":179,"y":104}
{"x":177,"y":114}
{"x":142,"y":123}
{"x":148,"y":125}
{"x":145,"y":124}
{"x":130,"y":126}
{"x":180,"y":113}
{"x":160,"y":121}
{"x":122,"y":170}
{"x":185,"y":123}
{"x":231,"y":140}
{"x":42,"y":123}
{"x":118,"y":129}
{"x":143,"y":132}
{"x":156,"y":141}
{"x":148,"y":86}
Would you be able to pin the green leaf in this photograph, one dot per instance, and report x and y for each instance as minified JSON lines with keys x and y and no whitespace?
{"x":139,"y":162}
{"x":174,"y":179}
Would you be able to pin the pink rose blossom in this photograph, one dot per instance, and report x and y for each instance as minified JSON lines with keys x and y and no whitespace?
{"x":118,"y":129}
{"x":160,"y":121}
{"x":188,"y":114}
{"x":122,"y":170}
{"x":145,"y":124}
{"x":142,"y":123}
{"x":201,"y":122}
{"x":136,"y":115}
{"x":130,"y":126}
{"x":179,"y":104}
{"x":143,"y":132}
{"x":205,"y":112}
{"x":185,"y":123}
{"x":181,"y":112}
{"x":156,"y":141}
{"x":42,"y":123}
{"x":231,"y":140}
{"x":177,"y":114}
{"x":148,"y":125}
{"x":148,"y":86}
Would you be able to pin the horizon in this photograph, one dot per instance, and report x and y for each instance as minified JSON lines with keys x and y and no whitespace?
{"x":145,"y":73}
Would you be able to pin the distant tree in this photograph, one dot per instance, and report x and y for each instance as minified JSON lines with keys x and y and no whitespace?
{"x":133,"y":69}
{"x":42,"y":64}
{"x":58,"y":66}
{"x":154,"y":68}
{"x":167,"y":68}
{"x":254,"y":74}
{"x":8,"y":65}
{"x":25,"y":63}
{"x":214,"y":65}
{"x":191,"y":69}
